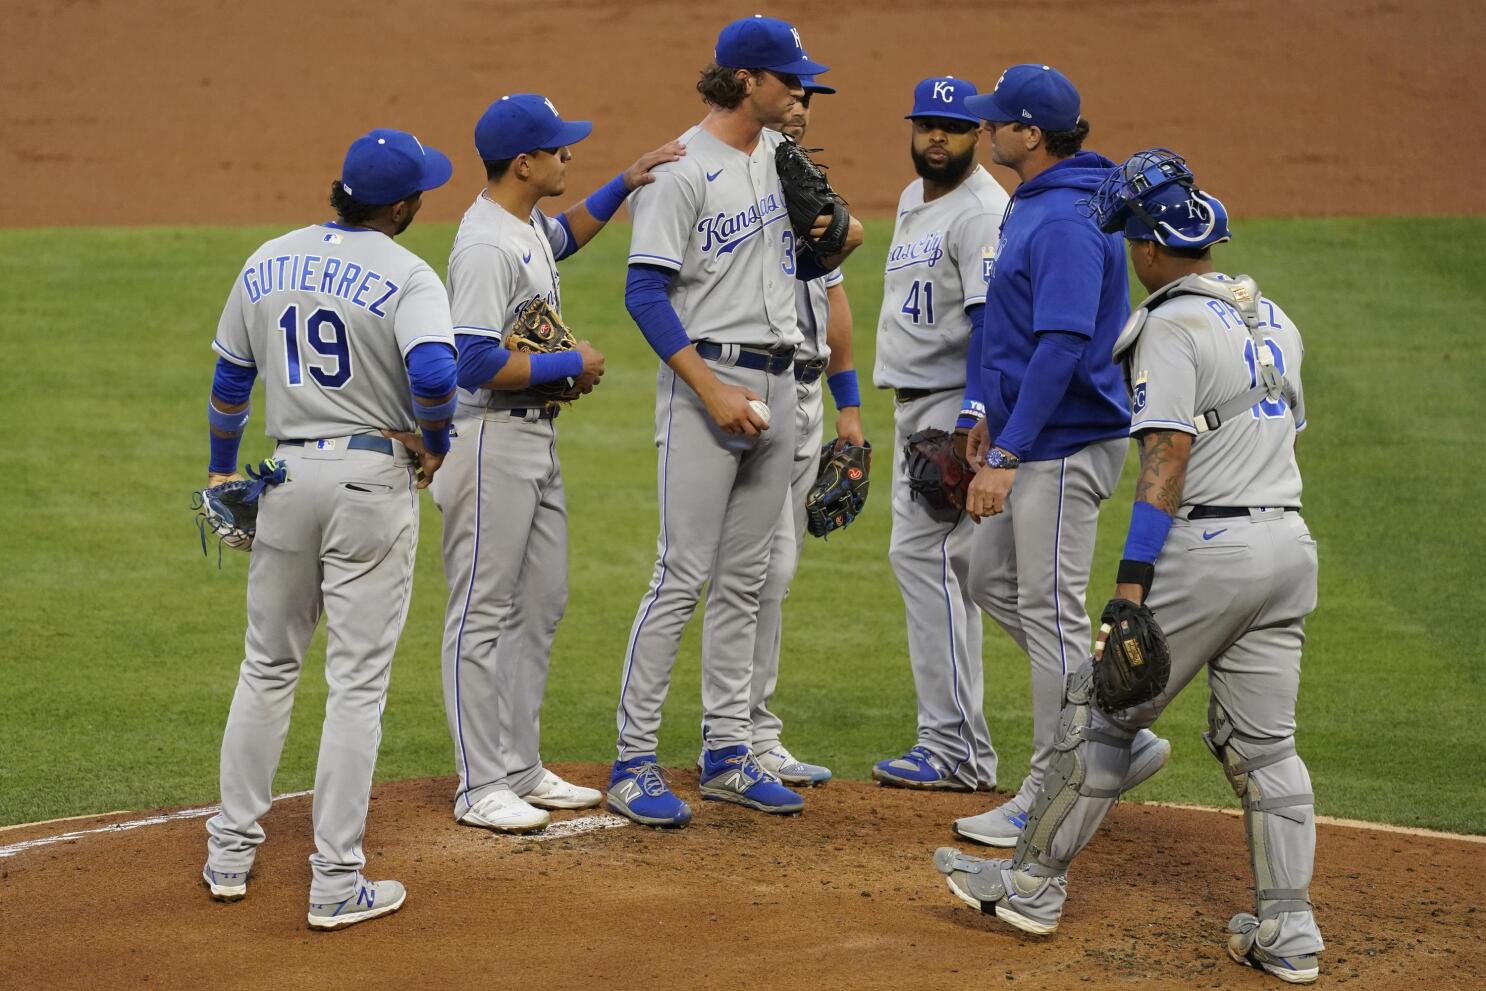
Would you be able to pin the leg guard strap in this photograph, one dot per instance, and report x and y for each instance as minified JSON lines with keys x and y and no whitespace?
{"x":1282,"y":802}
{"x":1275,"y":901}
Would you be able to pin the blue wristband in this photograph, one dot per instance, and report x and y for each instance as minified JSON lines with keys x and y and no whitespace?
{"x":436,"y":441}
{"x":1149,"y":526}
{"x":844,"y":389}
{"x":967,"y":422}
{"x":224,"y":455}
{"x":605,"y":201}
{"x":560,"y":365}
{"x":436,"y":412}
{"x":227,"y":423}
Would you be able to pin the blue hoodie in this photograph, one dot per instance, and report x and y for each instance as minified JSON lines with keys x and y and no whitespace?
{"x":1055,"y":272}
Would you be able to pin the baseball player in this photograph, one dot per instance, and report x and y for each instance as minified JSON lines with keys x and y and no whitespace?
{"x":352,"y":336}
{"x":1055,"y":416}
{"x":933,"y":299}
{"x":1218,"y":550}
{"x":501,"y":492}
{"x":824,"y":317}
{"x":713,"y":262}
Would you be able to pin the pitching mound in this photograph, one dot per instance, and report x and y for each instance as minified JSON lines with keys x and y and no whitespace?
{"x":844,"y":896}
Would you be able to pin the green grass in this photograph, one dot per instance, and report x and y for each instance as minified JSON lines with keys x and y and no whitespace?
{"x":121,"y":642}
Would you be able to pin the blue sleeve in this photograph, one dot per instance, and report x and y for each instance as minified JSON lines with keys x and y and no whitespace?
{"x":808,"y":267}
{"x":1047,"y":378}
{"x":1066,"y":259}
{"x":233,"y":383}
{"x":973,"y":406}
{"x":572,"y":244}
{"x":645,"y":298}
{"x":480,"y":359}
{"x":432,"y":370}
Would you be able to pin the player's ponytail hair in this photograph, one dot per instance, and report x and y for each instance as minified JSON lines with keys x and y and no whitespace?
{"x":351,"y":211}
{"x":720,"y":86}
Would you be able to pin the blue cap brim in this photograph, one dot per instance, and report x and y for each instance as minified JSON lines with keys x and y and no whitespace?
{"x":571,"y":132}
{"x":947,"y":114}
{"x":437,"y":169}
{"x":818,"y":88}
{"x":799,"y":67}
{"x":986,"y":107}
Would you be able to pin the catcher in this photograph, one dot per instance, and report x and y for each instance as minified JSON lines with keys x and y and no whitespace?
{"x":1218,"y":551}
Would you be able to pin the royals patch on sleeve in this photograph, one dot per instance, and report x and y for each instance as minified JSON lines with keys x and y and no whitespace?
{"x":987,"y":263}
{"x":1137,"y":395}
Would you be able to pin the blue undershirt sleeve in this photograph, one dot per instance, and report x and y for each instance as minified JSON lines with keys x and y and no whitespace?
{"x":572,"y":244}
{"x":1042,"y":389}
{"x":649,"y":306}
{"x":233,"y":383}
{"x":480,"y":359}
{"x":432,"y":370}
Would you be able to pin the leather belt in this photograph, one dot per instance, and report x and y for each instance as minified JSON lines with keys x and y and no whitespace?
{"x":545,"y":413}
{"x":909,"y":395}
{"x":758,"y":359}
{"x":808,"y":371}
{"x":360,"y":442}
{"x":1227,"y":512}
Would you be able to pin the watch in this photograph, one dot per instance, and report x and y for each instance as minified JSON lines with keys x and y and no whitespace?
{"x":997,"y":458}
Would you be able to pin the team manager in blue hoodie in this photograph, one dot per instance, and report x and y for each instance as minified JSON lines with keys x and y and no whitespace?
{"x":1054,"y":419}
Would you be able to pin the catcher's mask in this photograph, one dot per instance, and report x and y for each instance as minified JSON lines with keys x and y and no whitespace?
{"x":1153,"y":196}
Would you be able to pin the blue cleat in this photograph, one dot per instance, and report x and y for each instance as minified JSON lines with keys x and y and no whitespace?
{"x":919,"y":768}
{"x":638,"y":791}
{"x":732,"y":774}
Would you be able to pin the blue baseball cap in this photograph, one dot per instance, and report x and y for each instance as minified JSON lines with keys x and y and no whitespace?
{"x":943,"y":96}
{"x":522,"y":123}
{"x":1030,"y":94}
{"x":384,"y":166}
{"x":760,"y":42}
{"x":811,"y":86}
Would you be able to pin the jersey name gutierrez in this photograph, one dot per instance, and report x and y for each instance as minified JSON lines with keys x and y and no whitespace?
{"x":329,"y":276}
{"x":727,"y":232}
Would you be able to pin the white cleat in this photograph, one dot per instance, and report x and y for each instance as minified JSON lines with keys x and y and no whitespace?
{"x":502,"y":812}
{"x":553,"y":792}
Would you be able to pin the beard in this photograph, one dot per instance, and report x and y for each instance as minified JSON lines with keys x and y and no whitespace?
{"x":954,"y":169}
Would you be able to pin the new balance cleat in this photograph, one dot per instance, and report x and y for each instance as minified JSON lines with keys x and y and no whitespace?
{"x":789,"y":769}
{"x":638,"y":791}
{"x":370,"y":899}
{"x":919,"y":768}
{"x":732,"y":774}
{"x":502,"y":812}
{"x":553,"y":792}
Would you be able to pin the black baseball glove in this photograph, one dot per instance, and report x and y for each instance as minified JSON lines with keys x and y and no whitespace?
{"x":840,"y":489}
{"x":937,"y":476}
{"x":808,"y":196}
{"x":539,"y":330}
{"x":1131,"y":660}
{"x":230,"y":510}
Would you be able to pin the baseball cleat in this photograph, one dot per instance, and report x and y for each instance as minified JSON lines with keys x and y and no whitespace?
{"x":638,"y":791}
{"x":553,"y":792}
{"x":787,"y":768}
{"x":919,"y":768}
{"x":1244,"y":948}
{"x":371,"y":899}
{"x":1148,"y":754}
{"x":226,"y":886}
{"x":1000,"y":827}
{"x":1024,"y":901}
{"x":502,"y":812}
{"x":732,"y":774}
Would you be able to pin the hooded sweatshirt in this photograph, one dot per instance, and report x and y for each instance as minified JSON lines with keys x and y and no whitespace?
{"x":1055,"y":273}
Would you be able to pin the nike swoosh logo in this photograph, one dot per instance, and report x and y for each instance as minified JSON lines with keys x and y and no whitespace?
{"x":713,"y":175}
{"x":1210,"y":534}
{"x":526,"y":258}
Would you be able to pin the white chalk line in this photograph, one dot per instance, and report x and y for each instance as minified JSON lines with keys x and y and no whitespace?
{"x":1375,"y":827}
{"x":563,"y":829}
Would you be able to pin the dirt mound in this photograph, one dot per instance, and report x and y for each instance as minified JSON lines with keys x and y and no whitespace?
{"x":843,"y":896}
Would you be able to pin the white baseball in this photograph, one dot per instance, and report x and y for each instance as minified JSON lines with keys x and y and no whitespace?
{"x":762,"y":409}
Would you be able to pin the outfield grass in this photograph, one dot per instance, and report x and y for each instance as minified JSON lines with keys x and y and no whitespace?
{"x":121,"y":642}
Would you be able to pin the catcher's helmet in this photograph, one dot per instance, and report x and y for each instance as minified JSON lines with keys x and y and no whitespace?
{"x":1153,"y":196}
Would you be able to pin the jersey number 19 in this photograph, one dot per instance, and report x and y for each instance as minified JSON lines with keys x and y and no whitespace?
{"x":336,"y":348}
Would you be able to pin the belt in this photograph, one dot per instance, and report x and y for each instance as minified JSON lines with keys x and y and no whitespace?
{"x":759,"y":359}
{"x":360,"y":442}
{"x":520,"y":413}
{"x":808,"y":371}
{"x":909,"y":395}
{"x":1225,"y":512}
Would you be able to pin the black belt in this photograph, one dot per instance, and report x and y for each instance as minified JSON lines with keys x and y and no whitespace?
{"x":759,"y":359}
{"x":545,"y":413}
{"x":1225,"y":512}
{"x":909,"y":395}
{"x":360,"y":442}
{"x":808,"y":371}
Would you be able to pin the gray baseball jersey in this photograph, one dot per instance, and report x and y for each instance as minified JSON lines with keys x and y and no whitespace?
{"x":327,"y":314}
{"x":812,"y":313}
{"x":1195,"y":354}
{"x":497,"y":264}
{"x":936,"y":270}
{"x":717,"y":218}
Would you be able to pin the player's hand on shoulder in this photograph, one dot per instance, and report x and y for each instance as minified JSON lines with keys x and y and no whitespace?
{"x":638,"y":174}
{"x":729,"y":406}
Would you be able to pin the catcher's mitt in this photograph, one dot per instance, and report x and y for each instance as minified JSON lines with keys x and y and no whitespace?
{"x":1131,"y":661}
{"x":230,"y":510}
{"x":539,"y":330}
{"x":937,"y":476}
{"x":808,"y":195}
{"x":840,"y":489}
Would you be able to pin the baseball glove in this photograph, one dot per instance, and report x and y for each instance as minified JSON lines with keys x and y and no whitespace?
{"x":840,"y":489}
{"x":539,"y":330}
{"x":808,"y":196}
{"x":230,"y":510}
{"x":1131,"y":661}
{"x":937,"y":475}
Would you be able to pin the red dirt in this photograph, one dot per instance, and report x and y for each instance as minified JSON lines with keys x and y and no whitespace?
{"x":843,"y":896}
{"x":214,"y":112}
